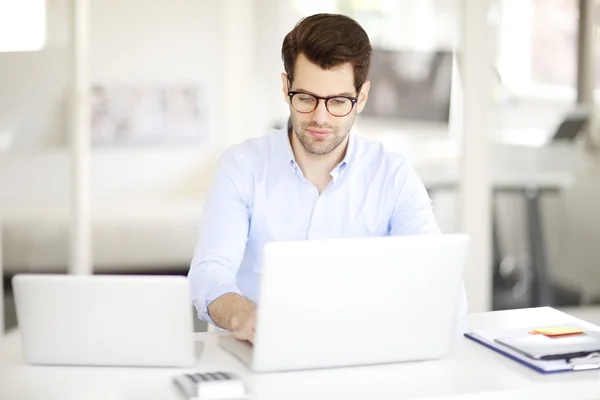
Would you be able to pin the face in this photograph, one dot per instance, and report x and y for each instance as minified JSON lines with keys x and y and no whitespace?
{"x":319,"y":132}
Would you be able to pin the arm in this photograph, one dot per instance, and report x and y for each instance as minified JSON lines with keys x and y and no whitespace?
{"x":413,"y":215}
{"x":413,"y":212}
{"x":234,"y":313}
{"x":221,"y":245}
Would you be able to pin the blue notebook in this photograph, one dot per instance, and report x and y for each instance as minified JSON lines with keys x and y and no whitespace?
{"x":489,"y":339}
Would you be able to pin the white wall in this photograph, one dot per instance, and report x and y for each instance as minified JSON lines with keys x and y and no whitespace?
{"x":145,"y":42}
{"x":157,"y":41}
{"x":33,"y":86}
{"x":134,"y":41}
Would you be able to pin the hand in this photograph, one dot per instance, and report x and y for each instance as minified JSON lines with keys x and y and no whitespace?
{"x":242,"y":324}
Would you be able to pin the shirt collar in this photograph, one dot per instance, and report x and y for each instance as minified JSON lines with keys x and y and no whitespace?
{"x":350,"y":150}
{"x":289,"y":153}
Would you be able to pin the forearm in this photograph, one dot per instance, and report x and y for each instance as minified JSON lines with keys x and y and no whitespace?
{"x":224,"y":310}
{"x":223,"y":235}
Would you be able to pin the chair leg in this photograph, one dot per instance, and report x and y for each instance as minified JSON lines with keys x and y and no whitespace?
{"x":542,"y":287}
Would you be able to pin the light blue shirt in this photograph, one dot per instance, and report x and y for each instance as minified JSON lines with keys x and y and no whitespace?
{"x":259,"y":194}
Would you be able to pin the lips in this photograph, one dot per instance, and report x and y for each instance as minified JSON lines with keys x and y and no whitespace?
{"x":318,"y":133}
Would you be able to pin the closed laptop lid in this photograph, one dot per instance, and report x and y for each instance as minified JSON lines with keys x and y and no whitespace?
{"x":105,"y":320}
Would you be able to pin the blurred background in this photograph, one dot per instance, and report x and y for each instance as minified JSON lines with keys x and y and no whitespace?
{"x":109,"y":133}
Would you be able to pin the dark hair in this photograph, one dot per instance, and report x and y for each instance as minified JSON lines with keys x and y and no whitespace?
{"x":329,"y":40}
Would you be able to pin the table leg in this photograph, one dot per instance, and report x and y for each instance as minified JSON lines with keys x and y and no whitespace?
{"x":496,"y":252}
{"x":2,"y":314}
{"x":541,"y":288}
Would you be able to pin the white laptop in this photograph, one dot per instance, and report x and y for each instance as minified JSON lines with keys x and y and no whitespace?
{"x":348,"y":302}
{"x":105,"y":320}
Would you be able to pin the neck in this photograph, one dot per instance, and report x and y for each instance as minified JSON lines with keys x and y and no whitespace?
{"x":315,"y":164}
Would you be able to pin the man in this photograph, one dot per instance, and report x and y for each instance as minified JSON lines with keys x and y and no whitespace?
{"x":316,"y":180}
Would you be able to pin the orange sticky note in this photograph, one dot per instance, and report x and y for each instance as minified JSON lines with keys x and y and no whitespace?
{"x":557,"y":331}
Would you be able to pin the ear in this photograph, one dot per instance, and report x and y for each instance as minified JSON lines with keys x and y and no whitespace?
{"x":363,"y":96}
{"x":284,"y":87}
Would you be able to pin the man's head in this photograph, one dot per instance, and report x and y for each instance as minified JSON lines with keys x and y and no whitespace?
{"x":326,"y":56}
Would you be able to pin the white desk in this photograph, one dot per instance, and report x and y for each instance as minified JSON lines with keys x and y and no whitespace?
{"x":472,"y":372}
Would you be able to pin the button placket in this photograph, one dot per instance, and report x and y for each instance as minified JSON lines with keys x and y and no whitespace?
{"x":316,"y":228}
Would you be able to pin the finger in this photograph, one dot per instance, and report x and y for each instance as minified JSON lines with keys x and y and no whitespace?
{"x":247,"y":333}
{"x":241,"y":334}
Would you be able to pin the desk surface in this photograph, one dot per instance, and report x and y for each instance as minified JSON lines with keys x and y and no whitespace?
{"x":471,"y":372}
{"x":506,"y":181}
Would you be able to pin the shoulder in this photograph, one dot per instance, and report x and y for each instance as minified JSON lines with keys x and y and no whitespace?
{"x":380,"y":159}
{"x":239,"y":163}
{"x":392,"y":171}
{"x":251,"y":152}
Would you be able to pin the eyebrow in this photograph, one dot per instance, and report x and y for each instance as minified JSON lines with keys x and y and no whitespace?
{"x":344,"y":94}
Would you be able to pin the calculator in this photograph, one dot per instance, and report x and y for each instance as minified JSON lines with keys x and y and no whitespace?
{"x":211,"y":386}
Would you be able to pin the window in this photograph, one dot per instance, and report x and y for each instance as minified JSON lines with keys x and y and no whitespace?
{"x":537,"y":39}
{"x":394,"y":24}
{"x":554,"y":42}
{"x":22,"y":25}
{"x":538,"y":47}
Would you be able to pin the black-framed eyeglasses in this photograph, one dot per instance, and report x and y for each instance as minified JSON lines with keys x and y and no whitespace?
{"x":338,"y":106}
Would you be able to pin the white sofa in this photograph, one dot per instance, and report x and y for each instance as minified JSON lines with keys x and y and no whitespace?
{"x":147,"y":237}
{"x":146,"y":208}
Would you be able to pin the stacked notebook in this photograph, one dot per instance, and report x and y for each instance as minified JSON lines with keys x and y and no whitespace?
{"x":550,"y":349}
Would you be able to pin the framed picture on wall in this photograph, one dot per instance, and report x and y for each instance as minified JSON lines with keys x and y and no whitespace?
{"x":141,"y":115}
{"x":410,"y":85}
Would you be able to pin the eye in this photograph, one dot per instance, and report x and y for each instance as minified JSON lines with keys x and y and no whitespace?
{"x":305,"y":98}
{"x":339,"y":101}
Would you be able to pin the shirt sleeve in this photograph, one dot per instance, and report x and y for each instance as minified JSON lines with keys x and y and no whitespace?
{"x":223,"y":235}
{"x":413,"y":215}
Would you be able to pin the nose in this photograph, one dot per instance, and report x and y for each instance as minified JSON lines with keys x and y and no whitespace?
{"x":321,"y":115}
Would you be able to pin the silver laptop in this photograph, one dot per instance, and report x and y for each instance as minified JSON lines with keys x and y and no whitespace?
{"x":105,"y":320}
{"x":347,"y":302}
